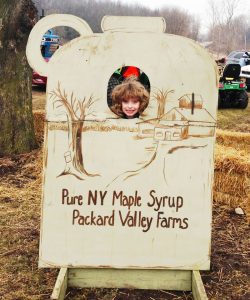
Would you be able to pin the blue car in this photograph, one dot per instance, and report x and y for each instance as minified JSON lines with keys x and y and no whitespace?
{"x":49,"y":44}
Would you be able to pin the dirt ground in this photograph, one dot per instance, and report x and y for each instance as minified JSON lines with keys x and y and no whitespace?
{"x":20,"y":194}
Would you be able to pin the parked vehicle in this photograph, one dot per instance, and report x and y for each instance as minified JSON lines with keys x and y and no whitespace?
{"x":232,"y":90}
{"x":38,"y":79}
{"x":245,"y":69}
{"x":49,"y":44}
{"x":245,"y":75}
{"x":234,"y":57}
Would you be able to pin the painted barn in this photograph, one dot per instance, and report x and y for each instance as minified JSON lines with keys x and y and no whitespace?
{"x":168,"y":130}
{"x":200,"y":121}
{"x":146,"y":128}
{"x":178,"y":124}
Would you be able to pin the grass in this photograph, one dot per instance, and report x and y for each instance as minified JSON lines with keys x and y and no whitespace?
{"x":234,"y":119}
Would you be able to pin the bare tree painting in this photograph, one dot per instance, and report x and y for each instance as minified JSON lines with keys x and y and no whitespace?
{"x":76,"y":111}
{"x":161,"y":98}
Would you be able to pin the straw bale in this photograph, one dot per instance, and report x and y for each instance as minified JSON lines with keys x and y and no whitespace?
{"x":233,"y":139}
{"x":231,"y":183}
{"x":228,"y":159}
{"x":233,"y":136}
{"x":39,"y":118}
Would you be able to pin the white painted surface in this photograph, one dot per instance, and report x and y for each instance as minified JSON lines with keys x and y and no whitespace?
{"x":116,"y":159}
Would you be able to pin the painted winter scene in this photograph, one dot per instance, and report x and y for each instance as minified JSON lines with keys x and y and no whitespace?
{"x":116,"y":149}
{"x":129,"y":193}
{"x":141,"y":176}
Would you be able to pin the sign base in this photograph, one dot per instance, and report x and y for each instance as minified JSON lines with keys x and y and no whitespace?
{"x":177,"y":280}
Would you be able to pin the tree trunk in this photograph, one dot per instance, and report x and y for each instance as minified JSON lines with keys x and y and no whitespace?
{"x":77,"y":146}
{"x":16,"y":119}
{"x":74,"y":157}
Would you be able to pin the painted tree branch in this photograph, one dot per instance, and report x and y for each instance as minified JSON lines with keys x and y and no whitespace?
{"x":76,"y":111}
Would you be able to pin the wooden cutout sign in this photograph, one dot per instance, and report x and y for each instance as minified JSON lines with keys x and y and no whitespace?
{"x":126,"y":193}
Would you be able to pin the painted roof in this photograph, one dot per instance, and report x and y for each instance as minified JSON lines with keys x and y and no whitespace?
{"x":199,"y":115}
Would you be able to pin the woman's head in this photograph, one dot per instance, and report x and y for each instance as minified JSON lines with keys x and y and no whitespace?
{"x":130,"y":98}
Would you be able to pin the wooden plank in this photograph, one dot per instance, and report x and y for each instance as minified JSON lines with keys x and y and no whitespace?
{"x":198,"y":289}
{"x":130,"y":278}
{"x":60,"y":288}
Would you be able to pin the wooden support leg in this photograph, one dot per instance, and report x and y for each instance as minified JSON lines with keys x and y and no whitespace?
{"x":146,"y":279}
{"x":131,"y":278}
{"x":60,"y":288}
{"x":198,"y":289}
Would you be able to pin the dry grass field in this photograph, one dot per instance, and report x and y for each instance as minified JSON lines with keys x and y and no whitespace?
{"x":20,"y":190}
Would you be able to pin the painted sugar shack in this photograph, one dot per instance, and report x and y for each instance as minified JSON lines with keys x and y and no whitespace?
{"x":190,"y":119}
{"x":101,"y":206}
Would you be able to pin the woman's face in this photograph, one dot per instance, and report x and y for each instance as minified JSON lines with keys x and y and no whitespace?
{"x":130,"y":106}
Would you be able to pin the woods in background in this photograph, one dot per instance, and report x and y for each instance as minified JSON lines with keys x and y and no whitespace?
{"x":227,"y":30}
{"x":177,"y":20}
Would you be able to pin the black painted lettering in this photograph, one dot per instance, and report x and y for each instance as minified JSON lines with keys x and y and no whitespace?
{"x":179,"y":203}
{"x":176,"y":221}
{"x":65,"y":193}
{"x":153,"y":199}
{"x":76,"y":214}
{"x":102,"y":195}
{"x":116,"y":196}
{"x":92,"y":198}
{"x":171,"y":201}
{"x":185,"y":221}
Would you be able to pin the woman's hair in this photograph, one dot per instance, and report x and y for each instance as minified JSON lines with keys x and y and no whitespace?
{"x":129,"y":88}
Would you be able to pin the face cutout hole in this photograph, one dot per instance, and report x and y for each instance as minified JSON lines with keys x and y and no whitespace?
{"x":54,"y":38}
{"x":51,"y":41}
{"x":128,"y":92}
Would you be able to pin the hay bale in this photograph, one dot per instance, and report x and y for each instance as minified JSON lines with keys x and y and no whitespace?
{"x":231,"y":178}
{"x":228,"y":159}
{"x":238,"y":140}
{"x":232,"y":184}
{"x":39,"y":118}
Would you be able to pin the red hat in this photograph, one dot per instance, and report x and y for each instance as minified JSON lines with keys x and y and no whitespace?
{"x":130,"y":71}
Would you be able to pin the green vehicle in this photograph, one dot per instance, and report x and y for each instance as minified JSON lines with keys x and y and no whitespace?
{"x":232,"y":90}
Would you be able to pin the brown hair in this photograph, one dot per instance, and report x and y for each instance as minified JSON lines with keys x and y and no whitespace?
{"x":130,"y":87}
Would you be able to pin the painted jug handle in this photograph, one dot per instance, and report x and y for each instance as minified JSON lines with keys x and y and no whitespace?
{"x":33,"y":51}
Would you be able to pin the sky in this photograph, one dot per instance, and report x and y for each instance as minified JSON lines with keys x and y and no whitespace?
{"x":199,"y":8}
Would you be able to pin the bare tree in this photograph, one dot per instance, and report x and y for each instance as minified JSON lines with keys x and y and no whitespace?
{"x":161,"y":98}
{"x":76,"y":111}
{"x":227,"y":29}
{"x":194,"y":29}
